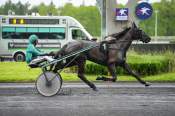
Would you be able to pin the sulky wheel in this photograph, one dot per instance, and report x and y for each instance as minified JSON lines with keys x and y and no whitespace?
{"x":50,"y":87}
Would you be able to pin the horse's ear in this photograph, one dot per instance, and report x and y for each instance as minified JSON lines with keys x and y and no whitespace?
{"x":134,"y":25}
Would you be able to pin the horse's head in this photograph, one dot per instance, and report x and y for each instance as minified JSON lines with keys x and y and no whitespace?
{"x":139,"y":34}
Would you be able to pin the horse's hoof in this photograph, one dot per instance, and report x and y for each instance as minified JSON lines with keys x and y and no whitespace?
{"x":114,"y":80}
{"x":95,"y":89}
{"x":100,"y":78}
{"x":147,"y":84}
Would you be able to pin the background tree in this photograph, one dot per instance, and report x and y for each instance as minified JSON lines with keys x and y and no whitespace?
{"x":166,"y":22}
{"x":42,"y":9}
{"x":8,"y":6}
{"x":88,"y":16}
{"x":21,"y":9}
{"x":52,"y":9}
{"x":26,"y":8}
{"x":1,"y":10}
{"x":34,"y":9}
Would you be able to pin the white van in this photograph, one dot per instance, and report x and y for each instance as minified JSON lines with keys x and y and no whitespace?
{"x":53,"y":33}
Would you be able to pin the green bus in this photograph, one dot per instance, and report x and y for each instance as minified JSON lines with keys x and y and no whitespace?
{"x":53,"y":33}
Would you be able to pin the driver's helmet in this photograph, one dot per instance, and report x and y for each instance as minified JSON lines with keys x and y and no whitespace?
{"x":33,"y":38}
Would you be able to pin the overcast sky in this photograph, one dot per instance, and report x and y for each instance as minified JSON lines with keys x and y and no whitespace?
{"x":62,"y":2}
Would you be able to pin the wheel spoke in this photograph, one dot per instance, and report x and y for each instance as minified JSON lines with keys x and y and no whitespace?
{"x":53,"y":88}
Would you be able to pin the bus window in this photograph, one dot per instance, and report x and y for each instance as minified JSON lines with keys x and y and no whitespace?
{"x":77,"y":34}
{"x":57,"y":33}
{"x":56,"y":36}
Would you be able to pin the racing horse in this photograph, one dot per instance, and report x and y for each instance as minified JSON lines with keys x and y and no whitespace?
{"x":112,"y":55}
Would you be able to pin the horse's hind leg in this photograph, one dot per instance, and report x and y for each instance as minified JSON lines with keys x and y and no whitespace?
{"x":128,"y":69}
{"x":81,"y":70}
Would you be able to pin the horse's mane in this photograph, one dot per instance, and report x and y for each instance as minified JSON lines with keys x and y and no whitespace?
{"x":120,"y":34}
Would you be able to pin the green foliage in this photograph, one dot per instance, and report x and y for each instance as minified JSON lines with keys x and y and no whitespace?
{"x":88,"y":16}
{"x":22,"y":9}
{"x":143,"y":64}
{"x":42,"y":9}
{"x":8,"y":6}
{"x":34,"y":9}
{"x":92,"y":68}
{"x":166,"y":23}
{"x":18,"y":8}
{"x":52,"y":9}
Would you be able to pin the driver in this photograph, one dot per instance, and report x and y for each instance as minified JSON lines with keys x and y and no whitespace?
{"x":32,"y":52}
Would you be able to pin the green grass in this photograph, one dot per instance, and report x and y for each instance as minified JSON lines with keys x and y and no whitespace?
{"x":17,"y":72}
{"x":20,"y":72}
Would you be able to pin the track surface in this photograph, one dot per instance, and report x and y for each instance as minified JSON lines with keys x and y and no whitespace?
{"x":76,"y":99}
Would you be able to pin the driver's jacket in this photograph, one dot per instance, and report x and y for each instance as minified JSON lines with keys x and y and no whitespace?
{"x":31,"y":51}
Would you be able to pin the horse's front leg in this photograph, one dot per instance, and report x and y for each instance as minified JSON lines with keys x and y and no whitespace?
{"x":81,"y":69}
{"x":112,"y":70}
{"x":128,"y":69}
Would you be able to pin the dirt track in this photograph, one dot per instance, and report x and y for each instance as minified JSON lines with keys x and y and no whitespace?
{"x":76,"y":99}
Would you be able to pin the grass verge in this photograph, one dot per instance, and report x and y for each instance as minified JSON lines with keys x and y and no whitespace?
{"x":19,"y":72}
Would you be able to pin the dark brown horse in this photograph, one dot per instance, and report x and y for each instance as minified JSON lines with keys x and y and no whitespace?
{"x":110,"y":53}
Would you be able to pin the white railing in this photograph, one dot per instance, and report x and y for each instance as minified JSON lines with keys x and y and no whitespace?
{"x":163,"y":38}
